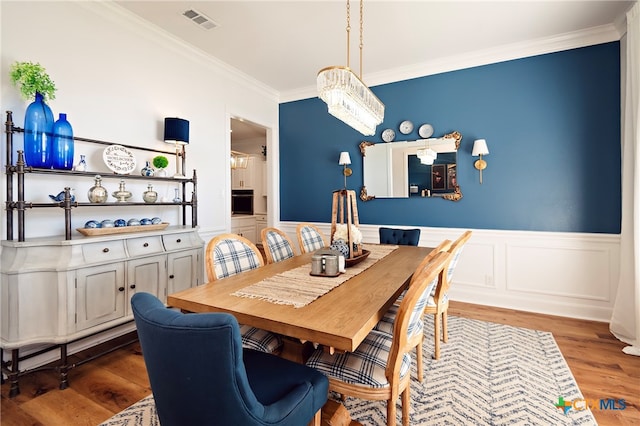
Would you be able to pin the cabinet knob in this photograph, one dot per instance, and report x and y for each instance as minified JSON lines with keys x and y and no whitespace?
{"x":145,"y":245}
{"x":105,"y":250}
{"x":179,"y":240}
{"x":171,"y":276}
{"x":120,"y":288}
{"x":132,"y":286}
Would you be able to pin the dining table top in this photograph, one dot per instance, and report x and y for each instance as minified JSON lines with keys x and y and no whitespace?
{"x":339,"y":319}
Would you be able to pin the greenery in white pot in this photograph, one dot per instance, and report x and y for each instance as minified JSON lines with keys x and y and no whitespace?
{"x":32,"y":78}
{"x":160,"y":162}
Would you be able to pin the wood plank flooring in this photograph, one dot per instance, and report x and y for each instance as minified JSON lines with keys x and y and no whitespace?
{"x":107,"y":385}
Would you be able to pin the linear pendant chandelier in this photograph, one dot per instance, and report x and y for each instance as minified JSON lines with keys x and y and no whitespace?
{"x":347,"y":97}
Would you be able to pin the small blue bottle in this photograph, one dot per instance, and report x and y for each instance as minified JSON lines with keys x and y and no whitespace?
{"x":62,"y":144}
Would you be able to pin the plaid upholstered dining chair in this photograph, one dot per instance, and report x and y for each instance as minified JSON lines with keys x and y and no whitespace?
{"x":438,"y":303}
{"x":379,"y":367}
{"x":277,"y":245}
{"x":310,"y":238}
{"x":231,"y":254}
{"x":416,"y":337}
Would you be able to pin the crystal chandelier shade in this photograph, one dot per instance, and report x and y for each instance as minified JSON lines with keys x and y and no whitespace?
{"x":347,"y":97}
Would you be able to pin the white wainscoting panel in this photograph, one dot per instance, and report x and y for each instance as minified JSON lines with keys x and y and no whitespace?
{"x":565,"y":274}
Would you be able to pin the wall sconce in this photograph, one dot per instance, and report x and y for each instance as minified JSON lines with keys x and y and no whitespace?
{"x":176,"y":131}
{"x":480,"y":149}
{"x":345,"y":160}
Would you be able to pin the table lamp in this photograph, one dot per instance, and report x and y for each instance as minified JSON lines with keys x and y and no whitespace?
{"x":176,"y":131}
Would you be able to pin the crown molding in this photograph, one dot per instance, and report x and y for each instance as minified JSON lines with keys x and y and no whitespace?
{"x":117,"y":13}
{"x":508,"y":52}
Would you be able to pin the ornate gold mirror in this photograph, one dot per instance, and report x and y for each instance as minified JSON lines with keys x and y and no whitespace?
{"x":422,"y":168}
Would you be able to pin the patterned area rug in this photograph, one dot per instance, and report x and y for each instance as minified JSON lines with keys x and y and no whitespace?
{"x":487,"y":374}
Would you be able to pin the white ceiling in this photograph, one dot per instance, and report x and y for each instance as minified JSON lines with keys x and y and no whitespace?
{"x":283,"y":44}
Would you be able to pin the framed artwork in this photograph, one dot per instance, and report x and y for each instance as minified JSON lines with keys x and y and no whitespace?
{"x":438,"y":177}
{"x":452,"y":179}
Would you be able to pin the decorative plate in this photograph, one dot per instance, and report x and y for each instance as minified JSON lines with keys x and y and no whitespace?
{"x":119,"y":159}
{"x":425,"y":131}
{"x":406,"y":127}
{"x":388,"y":135}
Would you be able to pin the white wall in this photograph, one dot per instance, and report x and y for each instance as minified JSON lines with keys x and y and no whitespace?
{"x":117,"y":79}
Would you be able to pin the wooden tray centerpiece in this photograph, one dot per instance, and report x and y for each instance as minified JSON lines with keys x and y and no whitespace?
{"x":121,"y":229}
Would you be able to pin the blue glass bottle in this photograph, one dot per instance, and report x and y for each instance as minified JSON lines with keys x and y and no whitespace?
{"x":62,"y":144}
{"x":38,"y":134}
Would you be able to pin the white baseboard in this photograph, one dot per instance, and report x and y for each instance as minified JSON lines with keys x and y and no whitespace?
{"x":566,"y":274}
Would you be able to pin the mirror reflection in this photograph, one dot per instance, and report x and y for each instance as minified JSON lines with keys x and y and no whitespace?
{"x":422,"y":168}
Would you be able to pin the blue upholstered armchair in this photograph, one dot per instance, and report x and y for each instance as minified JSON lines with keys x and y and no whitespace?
{"x":200,"y":374}
{"x":406,"y":237}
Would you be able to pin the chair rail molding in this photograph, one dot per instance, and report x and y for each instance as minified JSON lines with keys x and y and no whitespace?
{"x":566,"y":274}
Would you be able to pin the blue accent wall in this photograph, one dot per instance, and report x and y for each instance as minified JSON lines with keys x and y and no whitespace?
{"x":552,"y":125}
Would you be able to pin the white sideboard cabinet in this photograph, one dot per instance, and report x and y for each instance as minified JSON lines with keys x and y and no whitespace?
{"x":55,"y":291}
{"x":59,"y":291}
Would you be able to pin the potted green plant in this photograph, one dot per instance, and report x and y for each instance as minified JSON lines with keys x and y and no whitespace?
{"x":160,"y":162}
{"x":35,"y":84}
{"x":31,"y":78}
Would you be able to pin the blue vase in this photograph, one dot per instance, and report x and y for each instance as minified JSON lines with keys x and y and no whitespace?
{"x":38,"y":134}
{"x":62,"y":144}
{"x":147,"y":170}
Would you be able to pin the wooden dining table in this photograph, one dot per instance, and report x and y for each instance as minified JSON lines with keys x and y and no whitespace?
{"x":339,"y":319}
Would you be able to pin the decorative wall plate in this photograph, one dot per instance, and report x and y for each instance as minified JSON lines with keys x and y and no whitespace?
{"x":119,"y":159}
{"x":406,"y":127}
{"x":388,"y":135}
{"x":425,"y":131}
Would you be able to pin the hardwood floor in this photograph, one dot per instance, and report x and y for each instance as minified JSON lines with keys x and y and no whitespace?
{"x":107,"y":385}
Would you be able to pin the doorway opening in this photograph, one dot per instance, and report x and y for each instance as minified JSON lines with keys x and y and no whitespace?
{"x":249,"y":143}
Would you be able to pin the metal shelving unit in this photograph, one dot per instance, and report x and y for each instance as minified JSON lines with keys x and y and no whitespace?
{"x":16,"y":205}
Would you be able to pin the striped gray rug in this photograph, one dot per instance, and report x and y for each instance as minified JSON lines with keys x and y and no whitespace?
{"x":487,"y":374}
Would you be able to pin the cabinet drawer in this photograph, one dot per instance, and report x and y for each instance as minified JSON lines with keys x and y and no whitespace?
{"x":177,"y":241}
{"x":144,"y":245}
{"x":104,"y":251}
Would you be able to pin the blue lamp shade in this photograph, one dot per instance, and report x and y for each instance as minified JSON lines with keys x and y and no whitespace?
{"x":176,"y":130}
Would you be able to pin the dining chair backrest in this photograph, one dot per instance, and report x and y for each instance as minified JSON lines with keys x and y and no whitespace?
{"x":310,"y":238}
{"x":230,"y":254}
{"x":405,"y":237}
{"x":277,"y":245}
{"x":445,"y":282}
{"x":410,"y":312}
{"x":445,"y":245}
{"x":200,"y":374}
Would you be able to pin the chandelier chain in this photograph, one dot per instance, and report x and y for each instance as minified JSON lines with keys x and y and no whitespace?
{"x":348,"y":31}
{"x":361,"y":42}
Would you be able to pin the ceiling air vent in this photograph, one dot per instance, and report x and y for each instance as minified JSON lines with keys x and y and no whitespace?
{"x":200,"y":19}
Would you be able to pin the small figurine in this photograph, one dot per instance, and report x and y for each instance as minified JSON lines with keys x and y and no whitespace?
{"x":60,"y":197}
{"x":82,"y":165}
